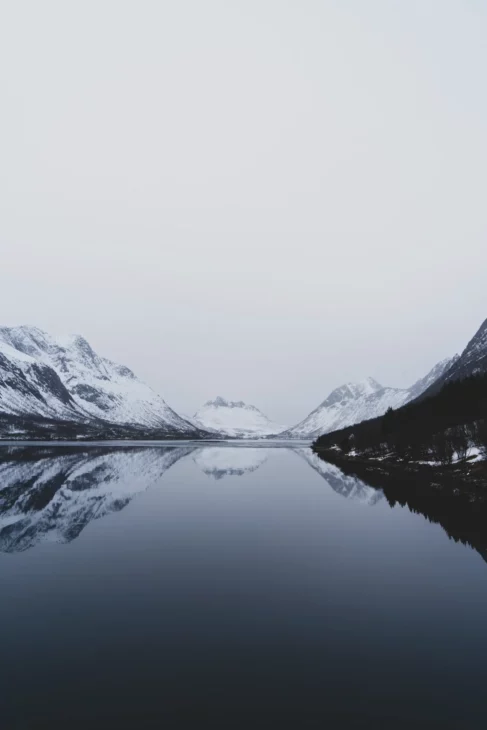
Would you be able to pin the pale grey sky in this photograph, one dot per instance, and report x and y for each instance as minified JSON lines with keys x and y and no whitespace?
{"x":260,"y":199}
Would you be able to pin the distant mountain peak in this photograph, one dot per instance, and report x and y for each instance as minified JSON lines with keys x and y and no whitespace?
{"x":352,"y":391}
{"x":234,"y":418}
{"x":220,"y":402}
{"x":73,"y":341}
{"x":367,"y":386}
{"x":355,"y":402}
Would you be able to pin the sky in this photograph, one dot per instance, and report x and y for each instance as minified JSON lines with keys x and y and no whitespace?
{"x":257,"y":199}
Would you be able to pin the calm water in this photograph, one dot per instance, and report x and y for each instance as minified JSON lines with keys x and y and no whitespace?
{"x":229,"y":586}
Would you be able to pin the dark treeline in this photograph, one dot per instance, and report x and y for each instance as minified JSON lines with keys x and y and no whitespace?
{"x":434,"y":428}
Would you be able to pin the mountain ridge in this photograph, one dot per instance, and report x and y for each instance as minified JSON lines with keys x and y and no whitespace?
{"x":471,"y":361}
{"x":62,"y":387}
{"x":355,"y":402}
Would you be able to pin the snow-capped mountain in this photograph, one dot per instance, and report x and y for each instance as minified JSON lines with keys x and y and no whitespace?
{"x":50,"y":496}
{"x":472,"y":361}
{"x":235,"y":419}
{"x":64,"y":379}
{"x":220,"y":461}
{"x":356,"y":402}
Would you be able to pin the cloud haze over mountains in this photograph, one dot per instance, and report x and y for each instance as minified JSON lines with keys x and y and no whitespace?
{"x":263,"y":199}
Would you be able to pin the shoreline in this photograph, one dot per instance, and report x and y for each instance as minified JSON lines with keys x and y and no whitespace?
{"x":422,"y":479}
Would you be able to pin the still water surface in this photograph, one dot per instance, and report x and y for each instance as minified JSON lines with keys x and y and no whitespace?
{"x":234,"y":586}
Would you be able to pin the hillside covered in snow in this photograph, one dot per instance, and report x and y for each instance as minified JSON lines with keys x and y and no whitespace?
{"x":64,"y":381}
{"x":235,"y":419}
{"x":355,"y":402}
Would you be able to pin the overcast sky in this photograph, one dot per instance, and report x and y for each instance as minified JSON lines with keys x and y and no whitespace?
{"x":259,"y":199}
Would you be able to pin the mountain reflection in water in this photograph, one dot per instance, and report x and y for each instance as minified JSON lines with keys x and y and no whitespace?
{"x":52,"y":493}
{"x":164,"y":585}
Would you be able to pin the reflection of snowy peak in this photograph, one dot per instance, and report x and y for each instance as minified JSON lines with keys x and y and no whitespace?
{"x":347,"y":486}
{"x":41,"y":376}
{"x":234,"y":418}
{"x":51,"y":496}
{"x":356,"y":402}
{"x":227,"y":461}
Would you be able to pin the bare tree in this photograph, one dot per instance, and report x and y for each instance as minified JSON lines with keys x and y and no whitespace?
{"x":460,"y":441}
{"x":443,"y":448}
{"x":481,"y":434}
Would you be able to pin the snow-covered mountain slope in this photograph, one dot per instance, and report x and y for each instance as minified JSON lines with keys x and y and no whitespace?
{"x":217,"y":462}
{"x":348,"y":404}
{"x":235,"y":419}
{"x":64,"y":378}
{"x":50,"y":496}
{"x":432,"y":377}
{"x":356,"y":402}
{"x":472,"y":361}
{"x":345,"y":485}
{"x":29,"y":386}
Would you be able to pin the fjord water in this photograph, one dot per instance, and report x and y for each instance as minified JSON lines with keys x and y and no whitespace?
{"x":238,"y":585}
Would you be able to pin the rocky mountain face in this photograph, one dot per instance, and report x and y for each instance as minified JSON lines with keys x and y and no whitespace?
{"x":422,"y":385}
{"x":235,"y":419}
{"x":29,"y":386}
{"x":356,"y":402}
{"x":472,"y":361}
{"x":44,"y":379}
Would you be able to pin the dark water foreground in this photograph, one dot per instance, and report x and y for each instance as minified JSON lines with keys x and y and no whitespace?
{"x":219,"y":586}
